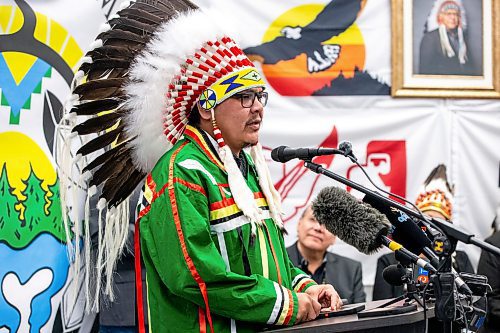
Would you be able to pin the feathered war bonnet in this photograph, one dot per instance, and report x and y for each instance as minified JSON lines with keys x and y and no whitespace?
{"x":436,"y":194}
{"x":132,"y":97}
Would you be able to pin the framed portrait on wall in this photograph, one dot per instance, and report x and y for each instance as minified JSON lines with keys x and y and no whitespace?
{"x":446,"y":48}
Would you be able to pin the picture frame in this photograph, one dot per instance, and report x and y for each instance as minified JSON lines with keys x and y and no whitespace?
{"x":423,"y":34}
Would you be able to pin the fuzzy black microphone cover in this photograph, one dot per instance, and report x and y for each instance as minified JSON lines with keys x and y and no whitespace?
{"x":356,"y":223}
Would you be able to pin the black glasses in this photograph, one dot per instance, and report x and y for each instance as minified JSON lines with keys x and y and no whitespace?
{"x":247,"y":98}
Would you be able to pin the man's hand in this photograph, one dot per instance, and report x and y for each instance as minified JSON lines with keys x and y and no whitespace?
{"x":326,"y":295}
{"x":308,"y":308}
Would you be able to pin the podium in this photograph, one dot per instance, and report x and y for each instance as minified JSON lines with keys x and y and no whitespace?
{"x":406,"y":322}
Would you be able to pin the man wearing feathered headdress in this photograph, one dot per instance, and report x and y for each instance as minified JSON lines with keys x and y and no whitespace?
{"x":182,"y":107}
{"x":443,"y":50}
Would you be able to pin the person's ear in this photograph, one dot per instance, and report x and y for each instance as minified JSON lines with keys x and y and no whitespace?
{"x":298,"y":225}
{"x":204,"y":114}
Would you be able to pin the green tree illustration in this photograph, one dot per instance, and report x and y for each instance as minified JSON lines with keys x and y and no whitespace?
{"x":55,"y":213}
{"x":34,"y":204}
{"x":42,"y":212}
{"x":9,"y":217}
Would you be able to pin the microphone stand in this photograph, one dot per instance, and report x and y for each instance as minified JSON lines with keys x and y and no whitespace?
{"x":451,"y":231}
{"x":444,"y":279}
{"x":411,"y":294}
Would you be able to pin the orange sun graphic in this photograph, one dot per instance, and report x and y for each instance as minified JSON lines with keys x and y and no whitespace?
{"x":294,"y":77}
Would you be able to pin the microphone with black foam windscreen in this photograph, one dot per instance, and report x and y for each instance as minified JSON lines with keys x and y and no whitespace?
{"x":404,"y":230}
{"x":284,"y":154}
{"x":408,"y":233}
{"x":346,"y":148}
{"x":396,"y":275}
{"x":357,"y":223}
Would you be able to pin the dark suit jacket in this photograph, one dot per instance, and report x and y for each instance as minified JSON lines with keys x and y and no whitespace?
{"x":382,"y":289}
{"x":434,"y":62}
{"x":343,"y":273}
{"x":489,"y":265}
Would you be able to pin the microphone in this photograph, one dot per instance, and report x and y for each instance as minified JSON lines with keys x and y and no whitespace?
{"x":411,"y":236}
{"x":398,"y":248}
{"x":284,"y":154}
{"x":396,"y":275}
{"x":405,"y":231}
{"x":346,"y":148}
{"x":358,"y":224}
{"x":352,"y":221}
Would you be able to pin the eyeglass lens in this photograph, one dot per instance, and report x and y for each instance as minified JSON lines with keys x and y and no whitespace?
{"x":248,"y":98}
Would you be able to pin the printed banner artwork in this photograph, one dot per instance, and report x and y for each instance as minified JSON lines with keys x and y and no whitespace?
{"x":317,"y":50}
{"x":40,"y":47}
{"x":385,"y":164}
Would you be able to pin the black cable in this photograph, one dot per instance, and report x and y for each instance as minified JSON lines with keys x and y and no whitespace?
{"x":464,"y":315}
{"x":425,"y":308}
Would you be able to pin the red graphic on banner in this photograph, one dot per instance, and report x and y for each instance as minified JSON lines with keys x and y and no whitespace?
{"x":385,"y":164}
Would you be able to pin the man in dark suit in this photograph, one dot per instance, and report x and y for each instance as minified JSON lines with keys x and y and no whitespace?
{"x":489,"y":265}
{"x":310,"y":254}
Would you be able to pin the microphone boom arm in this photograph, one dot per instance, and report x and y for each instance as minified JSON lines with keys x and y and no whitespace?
{"x":448,"y":229}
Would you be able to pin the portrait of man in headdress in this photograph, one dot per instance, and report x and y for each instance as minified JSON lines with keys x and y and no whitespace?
{"x":445,"y":47}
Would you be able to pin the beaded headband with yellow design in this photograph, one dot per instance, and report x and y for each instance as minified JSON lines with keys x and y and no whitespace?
{"x":229,"y":85}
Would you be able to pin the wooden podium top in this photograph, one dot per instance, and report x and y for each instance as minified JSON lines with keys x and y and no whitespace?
{"x":405,"y":322}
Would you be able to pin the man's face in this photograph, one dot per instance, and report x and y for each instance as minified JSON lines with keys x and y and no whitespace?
{"x":433,"y":213}
{"x":450,"y":18}
{"x":239,"y":125}
{"x":311,"y":234}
